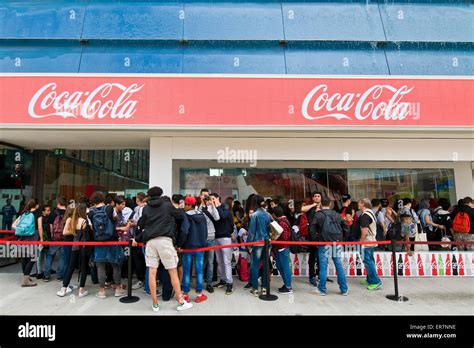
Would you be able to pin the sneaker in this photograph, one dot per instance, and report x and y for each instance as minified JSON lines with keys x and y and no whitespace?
{"x":229,"y":289}
{"x":264,"y":292}
{"x":101,"y":295}
{"x":183,"y":306}
{"x":83,"y":294}
{"x":364,"y":282}
{"x":254,"y":292}
{"x":62,"y":292}
{"x":137,"y":285}
{"x":187,"y":298}
{"x":313,"y":282}
{"x":200,"y":298}
{"x":46,"y":279}
{"x":345,"y":293}
{"x":209,"y":288}
{"x":285,"y":290}
{"x":40,"y":275}
{"x":53,"y":271}
{"x":68,"y":290}
{"x":59,"y":279}
{"x":320,"y":293}
{"x":108,"y":285}
{"x":120,"y":292}
{"x":155,"y":307}
{"x":248,"y":286}
{"x":329,"y":280}
{"x":219,"y":285}
{"x":373,"y":287}
{"x":73,"y":287}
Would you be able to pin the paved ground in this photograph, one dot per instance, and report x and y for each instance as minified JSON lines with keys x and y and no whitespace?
{"x":427,"y":296}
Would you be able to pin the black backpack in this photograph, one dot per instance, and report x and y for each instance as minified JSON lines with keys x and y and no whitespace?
{"x":331,"y":231}
{"x":354,"y":232}
{"x":298,"y":249}
{"x":394,"y":231}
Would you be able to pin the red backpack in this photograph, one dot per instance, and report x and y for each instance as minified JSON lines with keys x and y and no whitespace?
{"x":303,"y":225}
{"x":343,"y":215}
{"x":58,"y":228}
{"x":461,"y":223}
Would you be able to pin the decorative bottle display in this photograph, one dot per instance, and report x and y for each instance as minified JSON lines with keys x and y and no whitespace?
{"x":440,"y":265}
{"x":351,"y":265}
{"x":461,"y":265}
{"x":400,"y":265}
{"x":387,"y":265}
{"x":455,"y":266}
{"x":407,"y":266}
{"x":379,"y":266}
{"x":358,"y":265}
{"x":448,"y":264}
{"x":434,"y":267}
{"x":296,"y":266}
{"x":421,"y":270}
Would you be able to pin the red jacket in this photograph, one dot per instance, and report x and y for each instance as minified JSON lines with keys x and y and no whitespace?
{"x":286,"y":234}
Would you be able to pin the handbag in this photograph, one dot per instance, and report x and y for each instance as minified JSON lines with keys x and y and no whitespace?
{"x":421,"y":237}
{"x":445,"y":238}
{"x":275,"y":230}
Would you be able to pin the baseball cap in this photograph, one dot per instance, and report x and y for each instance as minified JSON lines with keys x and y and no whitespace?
{"x":346,"y":196}
{"x":190,"y":200}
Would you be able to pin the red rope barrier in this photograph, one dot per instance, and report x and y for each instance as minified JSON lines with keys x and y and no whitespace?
{"x":7,"y":231}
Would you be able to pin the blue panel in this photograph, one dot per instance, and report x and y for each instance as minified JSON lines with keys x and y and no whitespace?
{"x":233,"y":21}
{"x":335,"y":58}
{"x":431,"y":59}
{"x":234,"y":58}
{"x":332,"y":21}
{"x":34,"y":56}
{"x":132,"y":57}
{"x":137,"y":20}
{"x":40,"y":20}
{"x":428,"y":22}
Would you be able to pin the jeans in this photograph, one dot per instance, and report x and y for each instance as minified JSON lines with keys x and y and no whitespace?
{"x":224,"y":260}
{"x":64,"y":260}
{"x":27,"y":265}
{"x":283,"y":265}
{"x":209,"y":256}
{"x":52,"y":250}
{"x":257,"y":252}
{"x":43,"y":254}
{"x":369,"y":263}
{"x":335,"y":252}
{"x":198,"y":267}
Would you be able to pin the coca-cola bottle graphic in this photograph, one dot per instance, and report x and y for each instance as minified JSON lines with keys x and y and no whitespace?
{"x":427,"y":264}
{"x":345,"y":264}
{"x":440,"y":265}
{"x":274,"y":267}
{"x":358,"y":265}
{"x":407,"y":266}
{"x":413,"y":265}
{"x":468,"y":269}
{"x":400,"y":265}
{"x":351,"y":265}
{"x":455,"y":266}
{"x":391,"y":266}
{"x":379,"y":266}
{"x":434,"y":269}
{"x":421,"y":271}
{"x":461,"y":266}
{"x":448,"y":264}
{"x":387,"y":270}
{"x":297,"y":266}
{"x":304,"y":266}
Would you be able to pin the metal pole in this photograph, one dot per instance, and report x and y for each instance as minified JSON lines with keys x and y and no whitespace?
{"x":129,"y":298}
{"x":266,"y":269}
{"x":395,"y":297}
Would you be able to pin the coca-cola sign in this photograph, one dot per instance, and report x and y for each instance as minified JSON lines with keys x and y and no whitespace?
{"x":49,"y":101}
{"x":234,"y":101}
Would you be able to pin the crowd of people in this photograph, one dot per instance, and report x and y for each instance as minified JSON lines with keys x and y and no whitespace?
{"x":170,"y":227}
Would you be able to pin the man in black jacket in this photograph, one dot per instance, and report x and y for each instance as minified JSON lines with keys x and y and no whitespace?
{"x":158,"y":223}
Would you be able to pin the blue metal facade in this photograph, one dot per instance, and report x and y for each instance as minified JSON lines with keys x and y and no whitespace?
{"x":239,"y":37}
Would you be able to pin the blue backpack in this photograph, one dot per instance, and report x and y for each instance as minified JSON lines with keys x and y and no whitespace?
{"x":26,"y":226}
{"x":103,"y":226}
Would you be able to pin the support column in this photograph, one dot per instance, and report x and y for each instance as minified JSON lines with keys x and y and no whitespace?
{"x":463,"y":179}
{"x":161,"y":164}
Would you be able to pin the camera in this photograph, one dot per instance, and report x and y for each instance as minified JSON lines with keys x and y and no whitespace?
{"x":207,"y":199}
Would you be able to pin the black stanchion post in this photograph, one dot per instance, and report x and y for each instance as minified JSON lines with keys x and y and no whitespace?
{"x":129,"y":298}
{"x":395,"y":297}
{"x":266,"y":271}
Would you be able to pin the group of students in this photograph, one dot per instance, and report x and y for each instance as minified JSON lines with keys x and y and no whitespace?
{"x":171,"y":228}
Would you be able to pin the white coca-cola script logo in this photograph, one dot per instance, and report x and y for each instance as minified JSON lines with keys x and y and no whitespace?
{"x":372,"y":104}
{"x":100,"y":103}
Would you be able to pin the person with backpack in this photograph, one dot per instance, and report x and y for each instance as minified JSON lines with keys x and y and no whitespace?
{"x":138,"y":256}
{"x":434,"y":231}
{"x":26,"y":229}
{"x":44,"y":232}
{"x":409,"y":233}
{"x":463,"y":223}
{"x":442,"y":216}
{"x":299,"y":231}
{"x":57,"y":229}
{"x":158,"y":222}
{"x":282,"y":251}
{"x":193,"y":236}
{"x":310,"y":210}
{"x":104,"y":229}
{"x":78,"y":226}
{"x":347,"y":213}
{"x":258,"y":231}
{"x":368,"y":233}
{"x":330,"y":227}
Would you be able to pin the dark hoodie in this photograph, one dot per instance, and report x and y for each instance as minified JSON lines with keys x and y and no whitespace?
{"x":159,"y":219}
{"x":195,"y":235}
